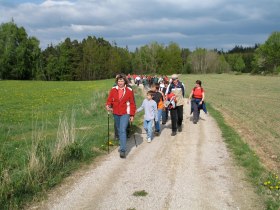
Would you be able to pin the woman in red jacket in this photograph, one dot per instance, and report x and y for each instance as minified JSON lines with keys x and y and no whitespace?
{"x":121,"y":102}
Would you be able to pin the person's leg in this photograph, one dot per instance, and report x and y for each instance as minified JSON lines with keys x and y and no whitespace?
{"x":180,"y":112}
{"x":116,"y":132}
{"x":200,"y":106}
{"x":195,"y":111}
{"x":146,"y":126}
{"x":122,"y":131}
{"x":150,"y":130}
{"x":173,"y":113}
{"x":163,"y":117}
{"x":157,"y":124}
{"x":117,"y":126}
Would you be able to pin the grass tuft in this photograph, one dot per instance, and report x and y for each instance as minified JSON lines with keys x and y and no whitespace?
{"x":140,"y":193}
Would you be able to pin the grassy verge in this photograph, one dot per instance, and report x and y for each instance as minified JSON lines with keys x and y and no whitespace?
{"x":47,"y":130}
{"x":267,"y":183}
{"x":250,"y":105}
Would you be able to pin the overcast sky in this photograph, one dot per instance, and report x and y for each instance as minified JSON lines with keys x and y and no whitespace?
{"x":210,"y":24}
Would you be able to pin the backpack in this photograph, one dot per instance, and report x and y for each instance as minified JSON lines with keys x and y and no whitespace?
{"x":158,"y":98}
{"x":170,"y":102}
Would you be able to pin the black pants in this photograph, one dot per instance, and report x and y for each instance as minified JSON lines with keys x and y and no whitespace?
{"x":176,"y":117}
{"x":196,"y":109}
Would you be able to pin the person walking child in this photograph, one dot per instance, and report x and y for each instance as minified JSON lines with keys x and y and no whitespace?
{"x":150,"y":108}
{"x":122,"y":104}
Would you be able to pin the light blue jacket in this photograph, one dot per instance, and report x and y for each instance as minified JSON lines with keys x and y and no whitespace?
{"x":150,"y":107}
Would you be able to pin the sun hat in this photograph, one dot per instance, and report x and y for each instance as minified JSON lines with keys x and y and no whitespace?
{"x":174,"y":76}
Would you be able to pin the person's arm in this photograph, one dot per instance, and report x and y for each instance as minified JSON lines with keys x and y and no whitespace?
{"x":167,"y":89}
{"x":191,"y":94}
{"x":109,"y":103}
{"x":156,"y":114}
{"x":202,"y":100}
{"x":183,"y":90}
{"x":132,"y":106}
{"x":141,"y":107}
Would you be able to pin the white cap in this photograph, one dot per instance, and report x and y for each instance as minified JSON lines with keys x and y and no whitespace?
{"x":174,"y":76}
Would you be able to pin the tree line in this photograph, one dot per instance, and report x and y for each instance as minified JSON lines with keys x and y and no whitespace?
{"x":95,"y":58}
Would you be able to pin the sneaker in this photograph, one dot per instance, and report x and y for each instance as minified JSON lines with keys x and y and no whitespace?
{"x":149,"y":140}
{"x":173,"y":133}
{"x":180,"y":129}
{"x":122,"y":154}
{"x":163,"y":123}
{"x":157,"y":133}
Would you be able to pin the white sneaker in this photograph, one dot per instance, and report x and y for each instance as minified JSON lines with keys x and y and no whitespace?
{"x":149,"y":140}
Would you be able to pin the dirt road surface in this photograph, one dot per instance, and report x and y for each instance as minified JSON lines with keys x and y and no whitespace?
{"x":192,"y":170}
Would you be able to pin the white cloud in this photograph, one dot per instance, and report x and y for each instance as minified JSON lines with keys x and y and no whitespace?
{"x":84,"y":28}
{"x":189,"y":23}
{"x":190,"y":4}
{"x":51,"y":3}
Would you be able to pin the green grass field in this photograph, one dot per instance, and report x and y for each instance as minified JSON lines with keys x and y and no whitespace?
{"x":248,"y":115}
{"x":251,"y":104}
{"x":46,"y":130}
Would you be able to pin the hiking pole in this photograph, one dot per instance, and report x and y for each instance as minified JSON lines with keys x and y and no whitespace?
{"x":133,"y":134}
{"x":108,"y":134}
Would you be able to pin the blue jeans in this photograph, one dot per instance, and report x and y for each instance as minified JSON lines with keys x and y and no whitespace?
{"x":121,"y":122}
{"x":148,"y":126}
{"x":165,"y":115}
{"x":157,"y":124}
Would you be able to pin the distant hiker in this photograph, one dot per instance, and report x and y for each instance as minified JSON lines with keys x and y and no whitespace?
{"x":145,"y":82}
{"x":197,"y":101}
{"x":121,"y":102}
{"x":150,"y":107}
{"x":178,"y":89}
{"x":129,"y":78}
{"x":158,"y":97}
{"x":137,"y":80}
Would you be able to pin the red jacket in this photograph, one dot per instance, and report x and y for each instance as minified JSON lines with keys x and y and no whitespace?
{"x":125,"y":105}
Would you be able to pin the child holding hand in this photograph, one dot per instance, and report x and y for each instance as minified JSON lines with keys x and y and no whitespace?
{"x":150,"y":107}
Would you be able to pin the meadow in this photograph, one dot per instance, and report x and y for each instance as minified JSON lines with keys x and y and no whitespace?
{"x":251,"y":105}
{"x":246,"y":109}
{"x":46,"y":130}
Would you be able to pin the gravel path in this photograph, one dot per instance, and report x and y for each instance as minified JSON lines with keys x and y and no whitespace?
{"x":192,"y":170}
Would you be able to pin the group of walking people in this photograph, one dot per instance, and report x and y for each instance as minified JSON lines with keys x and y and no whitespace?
{"x":161,"y":99}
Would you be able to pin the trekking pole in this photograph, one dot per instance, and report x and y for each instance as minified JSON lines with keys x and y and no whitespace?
{"x":133,"y":134}
{"x":108,"y":134}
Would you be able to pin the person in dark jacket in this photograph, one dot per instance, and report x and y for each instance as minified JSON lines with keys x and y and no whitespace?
{"x":176,"y":113}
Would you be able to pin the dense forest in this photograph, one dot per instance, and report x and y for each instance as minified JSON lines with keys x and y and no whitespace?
{"x":95,"y":58}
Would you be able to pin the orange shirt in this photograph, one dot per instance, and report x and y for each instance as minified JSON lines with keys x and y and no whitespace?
{"x":197,"y":92}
